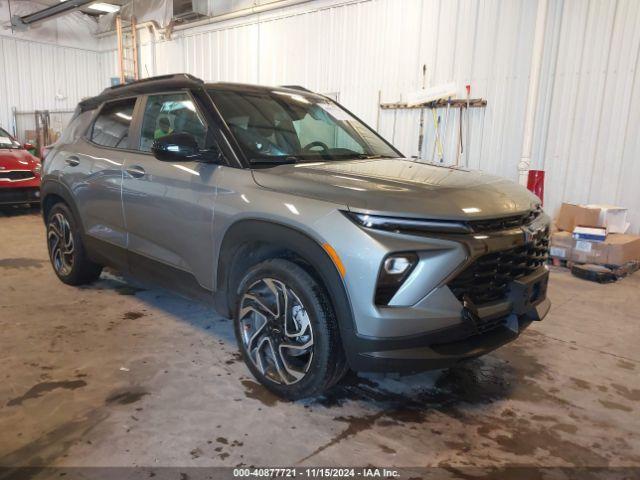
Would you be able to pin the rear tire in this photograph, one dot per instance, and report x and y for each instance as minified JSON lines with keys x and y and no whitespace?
{"x":66,"y":250}
{"x":287,"y":331}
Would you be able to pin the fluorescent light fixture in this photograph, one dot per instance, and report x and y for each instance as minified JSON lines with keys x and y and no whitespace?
{"x":471,"y":210}
{"x":104,"y":7}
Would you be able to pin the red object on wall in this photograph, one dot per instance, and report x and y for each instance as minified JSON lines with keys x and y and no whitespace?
{"x":535,"y":183}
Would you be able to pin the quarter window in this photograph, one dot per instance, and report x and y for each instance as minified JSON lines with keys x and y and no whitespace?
{"x":111,"y":128}
{"x":170,"y":113}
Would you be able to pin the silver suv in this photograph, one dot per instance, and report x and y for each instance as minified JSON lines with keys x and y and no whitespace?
{"x":328,"y":249}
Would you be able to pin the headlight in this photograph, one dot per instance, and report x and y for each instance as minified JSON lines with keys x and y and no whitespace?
{"x":38,"y":168}
{"x":408,"y":225}
{"x":395,"y":269}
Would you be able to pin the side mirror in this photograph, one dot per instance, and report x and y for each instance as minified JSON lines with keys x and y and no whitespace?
{"x":182,"y":147}
{"x":28,"y":146}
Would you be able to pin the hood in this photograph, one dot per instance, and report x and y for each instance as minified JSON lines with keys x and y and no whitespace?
{"x":17,"y":159}
{"x":401,"y":187}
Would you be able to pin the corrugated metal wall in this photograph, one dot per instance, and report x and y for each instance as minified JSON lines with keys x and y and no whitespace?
{"x":361,"y":48}
{"x":42,"y":76}
{"x":587,"y":122}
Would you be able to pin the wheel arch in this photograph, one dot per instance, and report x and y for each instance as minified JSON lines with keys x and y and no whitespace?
{"x":249,"y":242}
{"x":52,"y":192}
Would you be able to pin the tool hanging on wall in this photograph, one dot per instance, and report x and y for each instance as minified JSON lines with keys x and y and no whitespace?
{"x":446,"y":124}
{"x":439,"y":103}
{"x":459,"y":146}
{"x":421,"y":131}
{"x":437,"y":143}
{"x":468,"y":140}
{"x":463,"y":145}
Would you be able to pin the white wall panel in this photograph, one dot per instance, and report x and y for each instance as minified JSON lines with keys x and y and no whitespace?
{"x":43,"y":76}
{"x":587,"y":137}
{"x":587,"y":117}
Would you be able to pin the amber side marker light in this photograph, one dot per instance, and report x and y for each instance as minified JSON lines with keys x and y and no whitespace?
{"x":336,"y":259}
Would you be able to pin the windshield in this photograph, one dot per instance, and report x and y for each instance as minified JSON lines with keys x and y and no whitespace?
{"x":6,"y":141}
{"x":276,"y":126}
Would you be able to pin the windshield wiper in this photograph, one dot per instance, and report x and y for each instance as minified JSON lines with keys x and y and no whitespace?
{"x":366,"y":156}
{"x":274,"y":161}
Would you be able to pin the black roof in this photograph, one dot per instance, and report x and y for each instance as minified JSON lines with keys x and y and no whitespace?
{"x":171,"y":82}
{"x":148,"y":85}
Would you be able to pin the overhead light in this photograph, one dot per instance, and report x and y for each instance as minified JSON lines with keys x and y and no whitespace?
{"x":104,"y":7}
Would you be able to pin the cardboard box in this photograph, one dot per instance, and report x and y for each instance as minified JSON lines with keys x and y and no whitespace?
{"x":571,"y":216}
{"x":561,"y":245}
{"x":613,"y":218}
{"x":622,"y":248}
{"x":617,"y":249}
{"x":594,"y":234}
{"x":586,"y":251}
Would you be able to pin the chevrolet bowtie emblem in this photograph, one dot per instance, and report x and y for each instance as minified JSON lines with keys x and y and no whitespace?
{"x":530,"y":233}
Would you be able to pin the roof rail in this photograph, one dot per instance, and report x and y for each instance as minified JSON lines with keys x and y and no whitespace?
{"x":146,"y":85}
{"x":173,"y":76}
{"x":296,"y":87}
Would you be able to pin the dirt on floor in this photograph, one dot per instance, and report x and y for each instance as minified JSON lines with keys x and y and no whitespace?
{"x":120,"y":374}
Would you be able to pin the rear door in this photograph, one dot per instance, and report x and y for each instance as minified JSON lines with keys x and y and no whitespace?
{"x":168,"y":207}
{"x":93,"y":171}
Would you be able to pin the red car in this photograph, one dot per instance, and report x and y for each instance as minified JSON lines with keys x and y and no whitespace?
{"x":19,"y":172}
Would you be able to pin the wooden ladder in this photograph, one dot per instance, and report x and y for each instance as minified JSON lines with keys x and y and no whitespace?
{"x":127,"y":49}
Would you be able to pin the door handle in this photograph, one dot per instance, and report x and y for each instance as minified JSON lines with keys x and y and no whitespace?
{"x":72,"y":161}
{"x":136,"y":171}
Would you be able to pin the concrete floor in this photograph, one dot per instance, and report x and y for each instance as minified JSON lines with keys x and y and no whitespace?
{"x":115,"y":374}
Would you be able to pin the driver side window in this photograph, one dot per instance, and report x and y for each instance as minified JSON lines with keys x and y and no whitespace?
{"x":170,"y":113}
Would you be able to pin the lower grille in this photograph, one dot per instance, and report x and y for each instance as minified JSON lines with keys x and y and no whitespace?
{"x":19,"y":195}
{"x":482,"y":325}
{"x":15,"y":175}
{"x":487,"y":279}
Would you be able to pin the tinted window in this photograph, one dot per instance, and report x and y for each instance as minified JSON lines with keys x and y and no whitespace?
{"x":171,"y":113}
{"x":111,"y":128}
{"x":76,"y":127}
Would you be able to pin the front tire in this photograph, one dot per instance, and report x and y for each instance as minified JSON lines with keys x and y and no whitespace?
{"x":287,"y":331}
{"x":66,"y":250}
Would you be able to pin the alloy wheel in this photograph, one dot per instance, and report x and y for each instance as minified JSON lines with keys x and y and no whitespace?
{"x":61,"y":247}
{"x":276,"y":331}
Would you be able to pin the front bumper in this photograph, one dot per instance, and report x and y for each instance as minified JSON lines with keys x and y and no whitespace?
{"x":442,"y":348}
{"x":19,"y":195}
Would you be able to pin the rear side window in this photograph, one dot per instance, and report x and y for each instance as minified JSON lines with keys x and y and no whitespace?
{"x":111,"y":128}
{"x":76,"y":127}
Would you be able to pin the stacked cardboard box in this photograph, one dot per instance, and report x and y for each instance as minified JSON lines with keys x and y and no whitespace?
{"x":594,"y":234}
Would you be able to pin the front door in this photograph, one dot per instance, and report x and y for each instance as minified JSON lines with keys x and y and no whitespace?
{"x":168,"y":207}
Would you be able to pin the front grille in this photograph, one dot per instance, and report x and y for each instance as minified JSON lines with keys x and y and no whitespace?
{"x":487,"y":279}
{"x":497,"y":224}
{"x":14,"y":175}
